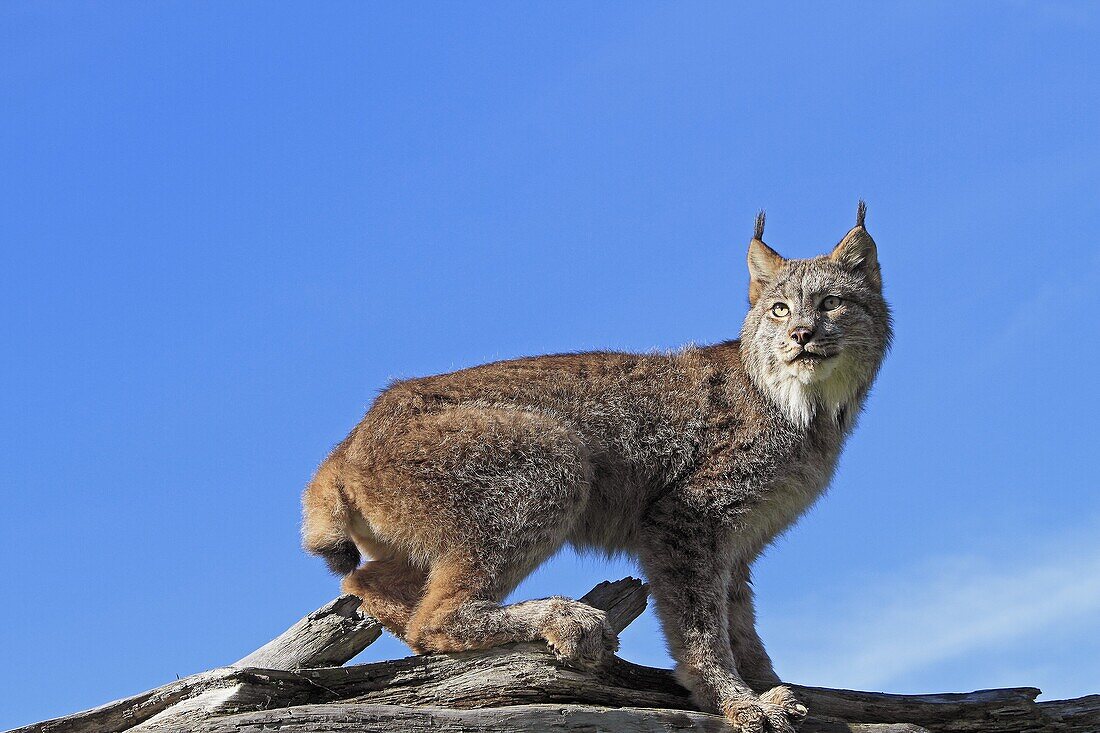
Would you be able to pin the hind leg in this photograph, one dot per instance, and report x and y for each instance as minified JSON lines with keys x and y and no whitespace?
{"x":459,"y":612}
{"x":484,"y":495}
{"x":389,"y":589}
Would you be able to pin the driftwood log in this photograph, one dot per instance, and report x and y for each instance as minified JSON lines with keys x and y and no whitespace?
{"x":296,"y":683}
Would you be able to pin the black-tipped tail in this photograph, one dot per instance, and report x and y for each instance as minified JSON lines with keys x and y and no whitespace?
{"x":342,"y":558}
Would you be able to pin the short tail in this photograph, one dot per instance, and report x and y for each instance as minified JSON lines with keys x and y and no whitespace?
{"x":325,"y":522}
{"x":341,"y":558}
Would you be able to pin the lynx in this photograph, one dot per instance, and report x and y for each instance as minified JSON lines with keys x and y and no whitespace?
{"x":460,"y":485}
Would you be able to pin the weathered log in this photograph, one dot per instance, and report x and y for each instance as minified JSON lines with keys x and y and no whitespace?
{"x":521,"y":687}
{"x":129,"y":712}
{"x":329,"y":636}
{"x":623,"y":600}
{"x":387,"y":718}
{"x":340,"y":623}
{"x":510,"y":678}
{"x":526,"y":675}
{"x":1011,"y":709}
{"x":1080,"y":714}
{"x":337,"y":631}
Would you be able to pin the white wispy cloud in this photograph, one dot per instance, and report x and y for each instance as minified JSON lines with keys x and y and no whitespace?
{"x":874,"y":635}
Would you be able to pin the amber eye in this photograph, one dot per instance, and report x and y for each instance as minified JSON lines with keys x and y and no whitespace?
{"x":831,"y":303}
{"x":780,"y":310}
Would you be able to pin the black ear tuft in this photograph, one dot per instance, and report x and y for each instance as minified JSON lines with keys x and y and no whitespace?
{"x":758,"y":229}
{"x":861,"y":212}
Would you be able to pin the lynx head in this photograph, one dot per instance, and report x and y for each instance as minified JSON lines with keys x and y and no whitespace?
{"x":817,"y":329}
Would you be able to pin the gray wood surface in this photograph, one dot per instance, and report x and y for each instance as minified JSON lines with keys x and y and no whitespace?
{"x":1079,"y":714}
{"x":387,"y":718}
{"x":294,"y":683}
{"x":329,"y":636}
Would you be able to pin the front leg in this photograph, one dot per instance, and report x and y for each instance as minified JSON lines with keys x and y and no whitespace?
{"x":689,"y":568}
{"x":753,"y":662}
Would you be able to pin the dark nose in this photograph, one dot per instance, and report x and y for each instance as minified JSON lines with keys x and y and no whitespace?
{"x":802,"y":335}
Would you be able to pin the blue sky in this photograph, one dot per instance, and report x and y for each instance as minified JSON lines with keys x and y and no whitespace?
{"x":226,"y":226}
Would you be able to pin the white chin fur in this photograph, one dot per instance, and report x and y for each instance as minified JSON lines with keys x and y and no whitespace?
{"x":808,"y":373}
{"x":803,"y":390}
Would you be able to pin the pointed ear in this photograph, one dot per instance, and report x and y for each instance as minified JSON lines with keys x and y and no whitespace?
{"x":764,"y":264}
{"x":857,"y":252}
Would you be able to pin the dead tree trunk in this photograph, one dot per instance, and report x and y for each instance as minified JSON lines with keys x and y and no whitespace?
{"x":296,"y":683}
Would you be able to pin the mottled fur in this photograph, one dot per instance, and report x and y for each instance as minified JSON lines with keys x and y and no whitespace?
{"x":460,"y":485}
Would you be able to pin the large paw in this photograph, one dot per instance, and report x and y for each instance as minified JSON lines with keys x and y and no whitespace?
{"x":783,"y":698}
{"x":776,"y":711}
{"x":580,"y":636}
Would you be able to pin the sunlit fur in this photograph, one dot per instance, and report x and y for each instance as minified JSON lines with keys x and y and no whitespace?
{"x":457,"y":486}
{"x":853,"y":337}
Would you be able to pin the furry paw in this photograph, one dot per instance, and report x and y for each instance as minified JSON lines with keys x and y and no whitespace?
{"x":784,"y":698}
{"x":776,"y":711}
{"x":580,"y":636}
